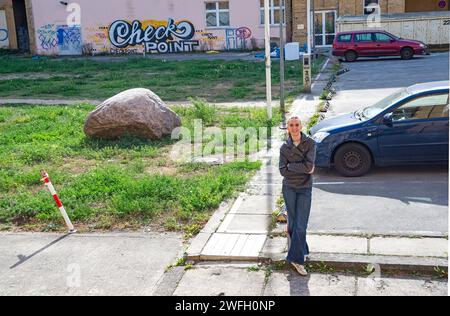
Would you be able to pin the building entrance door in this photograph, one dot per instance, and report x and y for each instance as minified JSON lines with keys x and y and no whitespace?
{"x":325,"y":28}
{"x":20,"y":19}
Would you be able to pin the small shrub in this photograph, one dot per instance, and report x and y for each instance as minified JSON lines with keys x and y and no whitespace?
{"x":203,"y":111}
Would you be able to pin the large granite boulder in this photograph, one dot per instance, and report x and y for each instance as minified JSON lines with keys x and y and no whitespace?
{"x":137,"y":112}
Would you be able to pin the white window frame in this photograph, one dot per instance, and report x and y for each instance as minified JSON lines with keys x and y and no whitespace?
{"x":324,"y":22}
{"x":272,"y":9}
{"x":365,"y":6}
{"x":217,"y":12}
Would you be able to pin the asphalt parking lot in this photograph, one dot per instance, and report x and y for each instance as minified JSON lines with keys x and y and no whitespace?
{"x":371,"y":80}
{"x":407,"y":200}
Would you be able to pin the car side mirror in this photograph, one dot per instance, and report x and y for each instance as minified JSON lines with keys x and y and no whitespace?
{"x":388,"y":119}
{"x":393,"y":41}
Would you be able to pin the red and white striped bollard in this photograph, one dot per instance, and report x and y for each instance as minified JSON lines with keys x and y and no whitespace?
{"x":51,"y":188}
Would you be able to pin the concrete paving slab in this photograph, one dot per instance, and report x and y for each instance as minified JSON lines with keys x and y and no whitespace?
{"x":418,"y":247}
{"x":291,"y":284}
{"x":85,"y":264}
{"x":276,"y":246}
{"x":264,"y":189}
{"x":221,"y":282}
{"x":246,"y":224}
{"x":279,"y":230}
{"x":233,"y":246}
{"x":216,"y":219}
{"x":268,"y":179}
{"x":197,"y":245}
{"x":337,"y":244}
{"x":385,"y":263}
{"x":256,"y":204}
{"x":169,"y":282}
{"x":401,"y":287}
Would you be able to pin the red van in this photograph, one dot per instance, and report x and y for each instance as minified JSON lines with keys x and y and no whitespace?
{"x":352,"y":45}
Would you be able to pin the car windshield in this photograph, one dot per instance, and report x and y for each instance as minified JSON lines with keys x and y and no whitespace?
{"x":370,"y":112}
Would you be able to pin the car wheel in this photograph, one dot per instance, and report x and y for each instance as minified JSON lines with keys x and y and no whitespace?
{"x":407,"y":53}
{"x":352,"y":160}
{"x":351,"y":56}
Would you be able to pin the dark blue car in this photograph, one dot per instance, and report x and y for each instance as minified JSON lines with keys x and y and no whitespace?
{"x":408,"y":127}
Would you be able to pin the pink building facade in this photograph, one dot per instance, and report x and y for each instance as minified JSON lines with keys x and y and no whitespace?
{"x":150,"y":26}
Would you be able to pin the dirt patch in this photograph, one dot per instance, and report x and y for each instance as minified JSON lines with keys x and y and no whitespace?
{"x":78,"y":165}
{"x":166,"y":171}
{"x":32,"y":75}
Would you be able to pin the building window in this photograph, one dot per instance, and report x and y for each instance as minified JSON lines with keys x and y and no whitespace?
{"x":217,"y":13}
{"x":369,"y":6}
{"x":277,"y":8}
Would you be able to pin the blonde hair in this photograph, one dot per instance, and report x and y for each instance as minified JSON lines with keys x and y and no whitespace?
{"x":292,"y":118}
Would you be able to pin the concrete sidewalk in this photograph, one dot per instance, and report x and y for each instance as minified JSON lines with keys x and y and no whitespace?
{"x":242,"y":281}
{"x":85,"y":264}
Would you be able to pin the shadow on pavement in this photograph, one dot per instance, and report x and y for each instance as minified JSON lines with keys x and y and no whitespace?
{"x":298,"y":285}
{"x":23,"y":258}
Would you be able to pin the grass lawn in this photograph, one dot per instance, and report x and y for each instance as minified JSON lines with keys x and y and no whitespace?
{"x":215,"y":81}
{"x":125,"y":184}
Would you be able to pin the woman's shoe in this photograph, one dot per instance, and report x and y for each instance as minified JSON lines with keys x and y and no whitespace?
{"x":300,"y":269}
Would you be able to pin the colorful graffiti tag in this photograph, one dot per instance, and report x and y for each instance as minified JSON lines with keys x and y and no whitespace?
{"x":66,"y":40}
{"x":169,"y":37}
{"x":69,"y":40}
{"x":97,"y":37}
{"x":237,"y":38}
{"x":243,"y":33}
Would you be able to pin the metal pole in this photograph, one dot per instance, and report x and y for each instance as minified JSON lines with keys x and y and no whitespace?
{"x":282,"y":95}
{"x":307,"y":57}
{"x":313,"y":26}
{"x":268,"y":60}
{"x":308,"y":9}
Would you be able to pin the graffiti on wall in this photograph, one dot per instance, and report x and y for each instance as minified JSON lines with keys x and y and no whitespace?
{"x":160,"y":37}
{"x":237,"y":38}
{"x":69,"y":40}
{"x":63,"y":39}
{"x":97,"y":38}
{"x":4,"y":35}
{"x":47,"y":37}
{"x":124,"y":37}
{"x":209,"y":40}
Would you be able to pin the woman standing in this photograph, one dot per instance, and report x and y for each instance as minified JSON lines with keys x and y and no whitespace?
{"x":297,"y":157}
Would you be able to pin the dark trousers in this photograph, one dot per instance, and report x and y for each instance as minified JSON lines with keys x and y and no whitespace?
{"x":298,"y":205}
